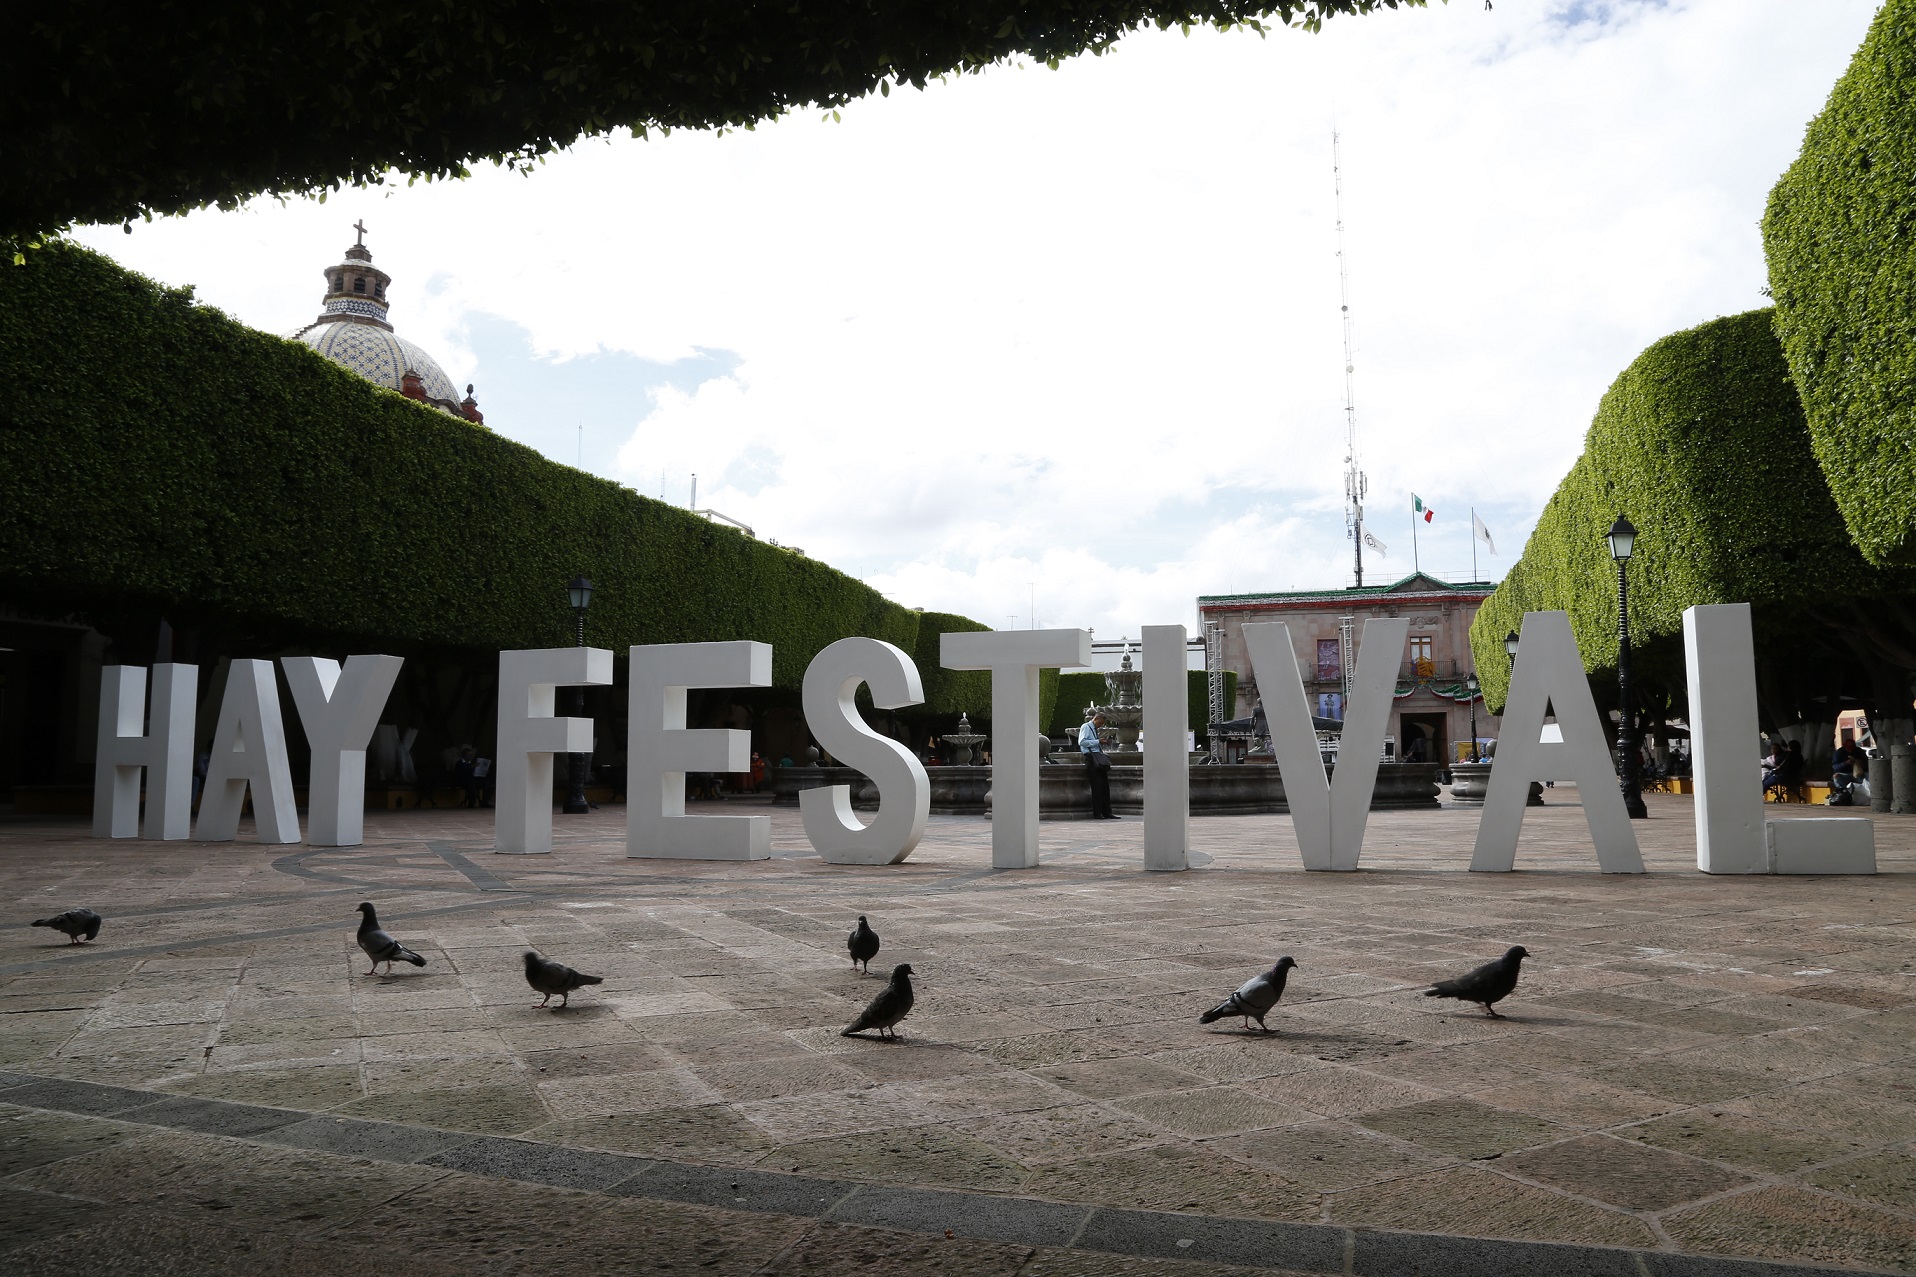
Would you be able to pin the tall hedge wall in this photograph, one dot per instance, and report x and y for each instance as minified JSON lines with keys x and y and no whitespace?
{"x":1702,"y":443}
{"x":1840,"y":236}
{"x":156,"y":455}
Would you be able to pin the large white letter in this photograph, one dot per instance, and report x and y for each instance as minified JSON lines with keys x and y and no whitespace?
{"x":340,"y":715}
{"x":1720,"y":653}
{"x":166,"y":754}
{"x":660,"y":750}
{"x":1549,"y":672}
{"x":249,"y":748}
{"x":1167,"y":764}
{"x":529,"y":736}
{"x":831,"y":712}
{"x":1329,"y":815}
{"x":1014,"y":658}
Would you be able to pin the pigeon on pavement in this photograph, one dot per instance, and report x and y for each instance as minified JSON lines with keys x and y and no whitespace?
{"x":892,"y":1004}
{"x":862,"y":944}
{"x":549,"y":977}
{"x":1255,"y":997}
{"x":379,"y":946}
{"x":1490,"y":983}
{"x":74,"y":922}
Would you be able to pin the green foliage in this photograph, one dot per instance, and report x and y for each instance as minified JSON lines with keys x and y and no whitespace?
{"x":161,"y":108}
{"x":1840,"y":237}
{"x":1079,"y":689}
{"x":1701,"y":442}
{"x":949,"y":692}
{"x":157,"y":458}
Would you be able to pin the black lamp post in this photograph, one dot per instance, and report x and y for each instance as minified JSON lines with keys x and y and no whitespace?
{"x":577,"y":765}
{"x":1510,"y":645}
{"x":1475,"y":689}
{"x":1623,"y":538}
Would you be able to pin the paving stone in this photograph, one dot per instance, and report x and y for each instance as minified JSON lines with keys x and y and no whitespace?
{"x":1478,"y":1202}
{"x":1744,"y":1141}
{"x":213,"y":1117}
{"x":1334,"y":1091}
{"x":29,"y":1138}
{"x":1784,"y":1222}
{"x":78,"y":1097}
{"x":738,"y":1189}
{"x":1887,"y":1178}
{"x":709,"y":1133}
{"x":1174,"y":1177}
{"x":1077,"y":1263}
{"x":1462,"y":1128}
{"x":1115,"y":1079}
{"x":1385,"y":1254}
{"x":939,"y":1154}
{"x":1328,"y":1156}
{"x":308,"y":1089}
{"x":539,"y":1163}
{"x":1625,"y":1174}
{"x":1159,"y":1235}
{"x":28,"y":1217}
{"x":1216,"y":1110}
{"x":1000,"y":1219}
{"x":497,"y":1110}
{"x":835,"y":1250}
{"x":1064,"y":1133}
{"x":384,"y":1141}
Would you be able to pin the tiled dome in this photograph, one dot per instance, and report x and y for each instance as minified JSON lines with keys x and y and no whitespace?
{"x":352,"y":331}
{"x":379,"y":356}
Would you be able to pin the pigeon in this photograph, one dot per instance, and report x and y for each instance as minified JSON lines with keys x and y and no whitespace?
{"x":78,"y":922}
{"x":892,"y":1004}
{"x":1255,"y":997}
{"x":379,"y":946}
{"x":1492,"y":982}
{"x":549,"y":977}
{"x":862,"y":944}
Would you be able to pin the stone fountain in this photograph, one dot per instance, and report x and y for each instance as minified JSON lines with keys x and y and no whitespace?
{"x":1124,"y":715}
{"x":964,"y":742}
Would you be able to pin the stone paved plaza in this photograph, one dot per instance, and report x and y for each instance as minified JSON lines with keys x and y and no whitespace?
{"x":1690,"y":1066}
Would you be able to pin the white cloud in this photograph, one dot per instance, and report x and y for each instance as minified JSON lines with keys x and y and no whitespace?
{"x":1080,"y":328}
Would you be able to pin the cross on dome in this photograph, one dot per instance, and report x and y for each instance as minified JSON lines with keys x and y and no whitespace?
{"x":360,"y":226}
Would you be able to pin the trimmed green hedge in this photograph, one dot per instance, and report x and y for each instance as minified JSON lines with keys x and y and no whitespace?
{"x":108,"y":114}
{"x":1077,"y":689}
{"x":1702,"y":443}
{"x":158,"y":458}
{"x":1840,"y":237}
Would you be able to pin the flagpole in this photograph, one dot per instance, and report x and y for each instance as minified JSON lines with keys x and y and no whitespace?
{"x":1413,"y":538}
{"x":1473,"y":545}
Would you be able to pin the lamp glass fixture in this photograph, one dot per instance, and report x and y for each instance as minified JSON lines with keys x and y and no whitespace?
{"x":1623,"y":538}
{"x":581,"y":592}
{"x":1510,"y":643}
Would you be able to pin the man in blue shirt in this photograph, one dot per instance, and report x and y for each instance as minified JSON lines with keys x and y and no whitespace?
{"x":1097,"y":768}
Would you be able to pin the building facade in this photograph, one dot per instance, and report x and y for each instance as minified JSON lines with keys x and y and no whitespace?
{"x":1430,"y":720}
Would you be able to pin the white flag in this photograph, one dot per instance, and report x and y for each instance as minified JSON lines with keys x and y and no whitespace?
{"x":1375,"y":544}
{"x":1483,"y":533}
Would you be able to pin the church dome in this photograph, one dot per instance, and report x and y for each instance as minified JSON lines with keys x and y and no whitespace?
{"x":352,"y":332}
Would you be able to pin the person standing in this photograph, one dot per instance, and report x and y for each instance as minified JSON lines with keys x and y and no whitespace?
{"x":1097,"y":765}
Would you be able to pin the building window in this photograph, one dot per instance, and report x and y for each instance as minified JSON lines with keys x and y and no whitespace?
{"x":1420,"y":655}
{"x":1330,"y":664}
{"x":339,"y":283}
{"x":359,"y":284}
{"x":379,"y":290}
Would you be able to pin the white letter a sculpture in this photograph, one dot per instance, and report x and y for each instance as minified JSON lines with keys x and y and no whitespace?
{"x":1329,"y":815}
{"x":1549,"y":673}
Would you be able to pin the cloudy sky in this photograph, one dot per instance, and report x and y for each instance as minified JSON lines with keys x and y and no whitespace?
{"x":1074,"y":334}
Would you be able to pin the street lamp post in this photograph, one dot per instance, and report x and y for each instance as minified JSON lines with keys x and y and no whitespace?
{"x":577,"y":765}
{"x":1475,"y":689}
{"x":1623,"y":538}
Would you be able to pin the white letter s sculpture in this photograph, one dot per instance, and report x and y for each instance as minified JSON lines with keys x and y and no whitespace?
{"x":831,"y":712}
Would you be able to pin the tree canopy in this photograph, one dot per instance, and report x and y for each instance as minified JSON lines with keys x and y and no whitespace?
{"x":114,"y":111}
{"x":1702,"y":443}
{"x":1840,"y":238}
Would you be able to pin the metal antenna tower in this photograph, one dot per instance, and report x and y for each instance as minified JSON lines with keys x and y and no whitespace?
{"x":1355,"y":485}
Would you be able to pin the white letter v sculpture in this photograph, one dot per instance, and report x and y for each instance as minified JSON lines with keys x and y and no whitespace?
{"x":1328,"y":814}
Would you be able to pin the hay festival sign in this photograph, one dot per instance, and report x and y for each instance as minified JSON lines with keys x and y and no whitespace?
{"x":339,"y":709}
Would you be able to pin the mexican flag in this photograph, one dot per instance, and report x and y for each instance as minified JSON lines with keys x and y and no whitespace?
{"x":1417,"y":506}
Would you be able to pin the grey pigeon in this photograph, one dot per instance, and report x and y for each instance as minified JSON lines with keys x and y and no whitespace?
{"x":1255,"y":997}
{"x":74,"y":922}
{"x":892,"y":1004}
{"x":549,"y":977}
{"x":379,"y":946}
{"x":862,"y":944}
{"x":1490,"y":983}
